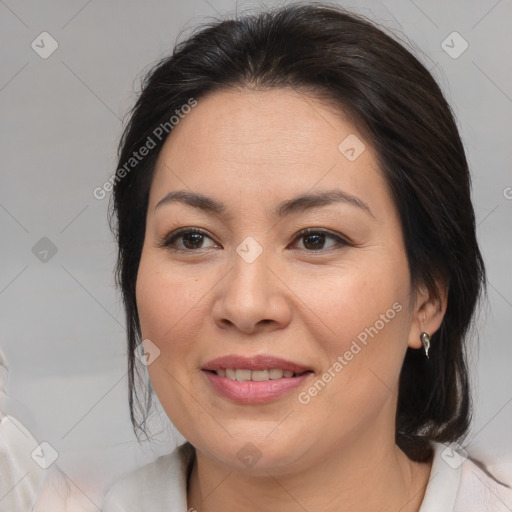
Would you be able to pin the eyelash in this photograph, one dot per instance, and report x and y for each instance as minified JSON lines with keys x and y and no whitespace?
{"x":170,"y":239}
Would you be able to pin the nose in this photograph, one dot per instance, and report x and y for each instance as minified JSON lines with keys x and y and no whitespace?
{"x":252,"y":297}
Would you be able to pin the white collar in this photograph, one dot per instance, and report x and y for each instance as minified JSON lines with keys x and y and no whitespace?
{"x":444,"y":481}
{"x":455,"y":484}
{"x":440,"y":494}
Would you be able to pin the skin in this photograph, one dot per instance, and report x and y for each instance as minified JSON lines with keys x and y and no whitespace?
{"x":251,"y":150}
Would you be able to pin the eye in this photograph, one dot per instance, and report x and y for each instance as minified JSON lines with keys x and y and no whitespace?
{"x":313,"y":240}
{"x":191,"y":239}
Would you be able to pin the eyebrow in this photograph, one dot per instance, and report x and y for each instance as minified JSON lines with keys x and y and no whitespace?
{"x":297,"y":204}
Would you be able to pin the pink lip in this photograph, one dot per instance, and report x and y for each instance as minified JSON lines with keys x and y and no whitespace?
{"x":257,"y":362}
{"x":253,"y":392}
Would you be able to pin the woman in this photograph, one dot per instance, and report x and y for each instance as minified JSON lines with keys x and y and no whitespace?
{"x":299,"y":269}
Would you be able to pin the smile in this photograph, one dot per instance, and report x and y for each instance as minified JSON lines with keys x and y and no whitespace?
{"x":254,"y":379}
{"x":244,"y":375}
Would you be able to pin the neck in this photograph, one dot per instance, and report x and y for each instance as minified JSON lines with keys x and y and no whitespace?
{"x":363,"y":475}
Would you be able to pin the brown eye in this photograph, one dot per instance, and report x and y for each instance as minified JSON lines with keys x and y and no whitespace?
{"x":314,"y":240}
{"x":191,"y":239}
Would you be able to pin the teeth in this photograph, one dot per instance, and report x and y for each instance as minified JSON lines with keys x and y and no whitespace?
{"x":276,"y":373}
{"x":243,"y":375}
{"x":259,"y":375}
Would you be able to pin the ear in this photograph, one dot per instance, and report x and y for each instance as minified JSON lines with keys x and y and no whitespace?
{"x":428,"y":313}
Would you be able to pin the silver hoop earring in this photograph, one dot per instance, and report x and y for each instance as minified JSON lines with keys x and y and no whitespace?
{"x":425,"y":341}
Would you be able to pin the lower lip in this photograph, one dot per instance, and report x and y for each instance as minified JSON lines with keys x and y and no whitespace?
{"x":253,"y":392}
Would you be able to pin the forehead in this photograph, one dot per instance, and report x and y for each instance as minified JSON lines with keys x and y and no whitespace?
{"x":265,"y":146}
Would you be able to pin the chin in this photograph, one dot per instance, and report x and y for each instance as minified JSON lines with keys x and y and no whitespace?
{"x":255,"y":454}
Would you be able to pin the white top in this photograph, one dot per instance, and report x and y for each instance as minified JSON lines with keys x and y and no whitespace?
{"x":456,"y":484}
{"x":21,"y":466}
{"x":30,"y":479}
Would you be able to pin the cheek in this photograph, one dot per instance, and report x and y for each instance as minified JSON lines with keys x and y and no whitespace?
{"x":363,"y":320}
{"x":169,"y":312}
{"x":348,"y":302}
{"x":168,"y":304}
{"x":165,"y":297}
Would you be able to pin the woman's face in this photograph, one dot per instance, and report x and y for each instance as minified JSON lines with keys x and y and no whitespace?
{"x":251,"y":289}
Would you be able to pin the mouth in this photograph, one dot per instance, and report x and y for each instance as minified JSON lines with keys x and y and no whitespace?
{"x":256,"y":363}
{"x":244,"y":374}
{"x":254,"y":380}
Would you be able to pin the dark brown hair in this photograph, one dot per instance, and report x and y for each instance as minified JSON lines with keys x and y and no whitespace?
{"x":392,"y":97}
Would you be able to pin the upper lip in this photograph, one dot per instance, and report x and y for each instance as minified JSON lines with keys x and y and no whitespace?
{"x":256,"y":362}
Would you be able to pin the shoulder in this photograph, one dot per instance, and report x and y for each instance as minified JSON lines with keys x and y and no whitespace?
{"x":461,"y":484}
{"x":480,"y":490}
{"x":153,"y":486}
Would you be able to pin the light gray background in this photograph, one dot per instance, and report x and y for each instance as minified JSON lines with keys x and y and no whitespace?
{"x":62,"y":322}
